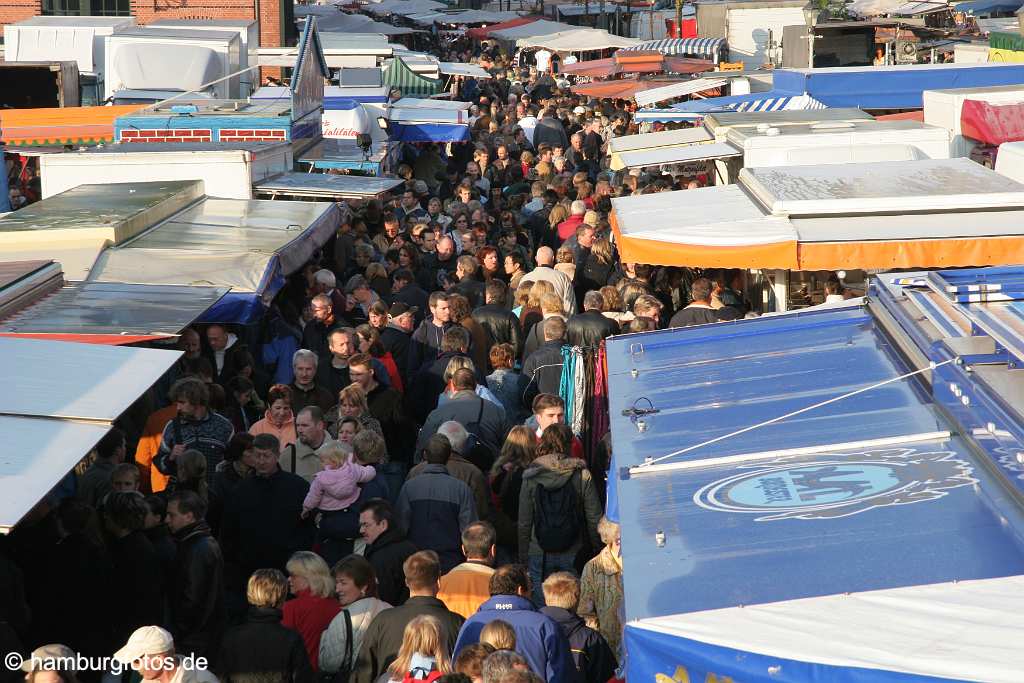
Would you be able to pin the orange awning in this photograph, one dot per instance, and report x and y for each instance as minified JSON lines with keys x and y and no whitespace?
{"x":482,"y":32}
{"x":903,"y":116}
{"x":61,"y":126}
{"x":105,"y":339}
{"x":621,"y":89}
{"x":636,"y":62}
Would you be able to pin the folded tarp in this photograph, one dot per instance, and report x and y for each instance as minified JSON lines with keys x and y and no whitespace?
{"x":992,"y":124}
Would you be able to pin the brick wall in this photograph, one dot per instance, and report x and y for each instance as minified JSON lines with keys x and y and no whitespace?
{"x":12,"y":11}
{"x":148,"y":11}
{"x":203,"y":135}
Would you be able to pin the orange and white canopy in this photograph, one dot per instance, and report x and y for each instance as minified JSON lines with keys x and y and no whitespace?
{"x":906,"y":214}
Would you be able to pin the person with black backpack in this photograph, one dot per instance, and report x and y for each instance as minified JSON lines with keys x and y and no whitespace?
{"x":558,"y":510}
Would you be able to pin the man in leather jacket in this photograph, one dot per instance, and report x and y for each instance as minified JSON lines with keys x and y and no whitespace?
{"x":196,"y":592}
{"x":498,"y":321}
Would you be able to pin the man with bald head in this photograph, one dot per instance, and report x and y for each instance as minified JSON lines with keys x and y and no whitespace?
{"x":442,"y":260}
{"x":546,"y":272}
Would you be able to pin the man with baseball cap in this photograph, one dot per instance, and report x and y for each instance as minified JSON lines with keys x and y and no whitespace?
{"x":150,"y":651}
{"x":55,"y":657}
{"x":395,"y":338}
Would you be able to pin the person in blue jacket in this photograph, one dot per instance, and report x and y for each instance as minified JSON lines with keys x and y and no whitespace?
{"x":538,"y":637}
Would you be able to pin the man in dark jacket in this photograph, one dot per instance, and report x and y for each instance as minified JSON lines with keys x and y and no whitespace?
{"x":590,"y":651}
{"x":314,"y":334}
{"x":140,"y":588}
{"x":426,"y":386}
{"x":501,"y":324}
{"x":426,"y":340}
{"x":383,"y":638}
{"x":699,"y":311}
{"x":386,"y":549}
{"x":225,"y":352}
{"x":197,"y":579}
{"x":405,"y":291}
{"x":549,"y":130}
{"x":262,"y":521}
{"x":386,"y":406}
{"x":538,"y":637}
{"x":468,"y":285}
{"x":262,"y":649}
{"x":587,"y":329}
{"x":396,"y":337}
{"x":485,"y":420}
{"x":543,"y":368}
{"x":436,"y":507}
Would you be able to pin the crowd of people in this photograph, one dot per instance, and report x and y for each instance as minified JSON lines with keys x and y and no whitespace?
{"x":377,"y":481}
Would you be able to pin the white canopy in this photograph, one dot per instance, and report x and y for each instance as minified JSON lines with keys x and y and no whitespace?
{"x":405,"y":7}
{"x":577,"y":40}
{"x":460,"y":69}
{"x":968,"y":630}
{"x":665,"y":138}
{"x":667,"y":92}
{"x":60,"y":399}
{"x":535,"y":28}
{"x":661,"y":156}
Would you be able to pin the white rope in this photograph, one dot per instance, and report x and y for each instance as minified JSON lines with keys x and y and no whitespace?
{"x":723,"y":437}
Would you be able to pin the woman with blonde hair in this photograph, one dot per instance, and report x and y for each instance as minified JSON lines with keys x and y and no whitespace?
{"x":533,"y":313}
{"x":314,"y":606}
{"x":462,"y":314}
{"x":455,"y":364}
{"x":424,"y":652}
{"x":614,"y":308}
{"x":506,"y":477}
{"x":601,"y":590}
{"x":351,"y":403}
{"x":559,"y":212}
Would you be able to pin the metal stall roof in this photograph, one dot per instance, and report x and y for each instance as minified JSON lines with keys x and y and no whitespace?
{"x":321,"y":185}
{"x":60,"y":399}
{"x":867,"y":451}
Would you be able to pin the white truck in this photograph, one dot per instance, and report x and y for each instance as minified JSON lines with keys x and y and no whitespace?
{"x":145,"y":65}
{"x":228,"y":170}
{"x":66,"y":39}
{"x":248,"y":33}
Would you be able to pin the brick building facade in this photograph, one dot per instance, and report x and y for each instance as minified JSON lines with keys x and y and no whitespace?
{"x":275,"y":16}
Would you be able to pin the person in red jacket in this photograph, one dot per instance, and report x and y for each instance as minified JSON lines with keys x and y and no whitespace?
{"x":314,"y":606}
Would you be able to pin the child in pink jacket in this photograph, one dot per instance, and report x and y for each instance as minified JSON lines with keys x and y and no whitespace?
{"x":336,"y":487}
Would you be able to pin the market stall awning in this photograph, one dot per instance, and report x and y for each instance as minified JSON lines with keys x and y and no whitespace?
{"x":482,"y":32}
{"x":654,"y":141}
{"x":404,"y":7}
{"x":865,"y":452}
{"x":397,"y":74}
{"x":322,"y":185}
{"x":247,"y":246}
{"x":468,"y":70}
{"x":637,"y":63}
{"x":624,"y":88}
{"x":61,"y":126}
{"x":763,"y":101}
{"x":680,"y":89}
{"x":704,"y":48}
{"x":891,"y":87}
{"x":680,"y":154}
{"x":907,"y":214}
{"x":111,"y":313}
{"x":576,"y":40}
{"x":988,"y":7}
{"x":533,"y":28}
{"x":59,"y":400}
{"x":826,"y":638}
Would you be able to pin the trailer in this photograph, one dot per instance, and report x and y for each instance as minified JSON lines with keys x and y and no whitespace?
{"x":78,"y":39}
{"x":39,"y":85}
{"x":146,"y":64}
{"x":248,"y":33}
{"x":228,"y":170}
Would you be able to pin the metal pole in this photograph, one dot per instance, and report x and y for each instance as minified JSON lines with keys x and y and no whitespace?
{"x":679,"y":18}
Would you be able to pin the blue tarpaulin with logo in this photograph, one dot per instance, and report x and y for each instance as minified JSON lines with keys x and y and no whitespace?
{"x":862,"y":496}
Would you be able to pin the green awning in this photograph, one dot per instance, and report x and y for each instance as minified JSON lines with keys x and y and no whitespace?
{"x":397,"y":74}
{"x":1006,"y":41}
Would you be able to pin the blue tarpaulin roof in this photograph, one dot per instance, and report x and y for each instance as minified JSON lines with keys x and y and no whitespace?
{"x":889,"y":87}
{"x":989,"y":7}
{"x":879,"y":491}
{"x":428,"y":132}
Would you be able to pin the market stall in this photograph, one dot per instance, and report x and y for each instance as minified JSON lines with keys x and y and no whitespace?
{"x":867,"y":453}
